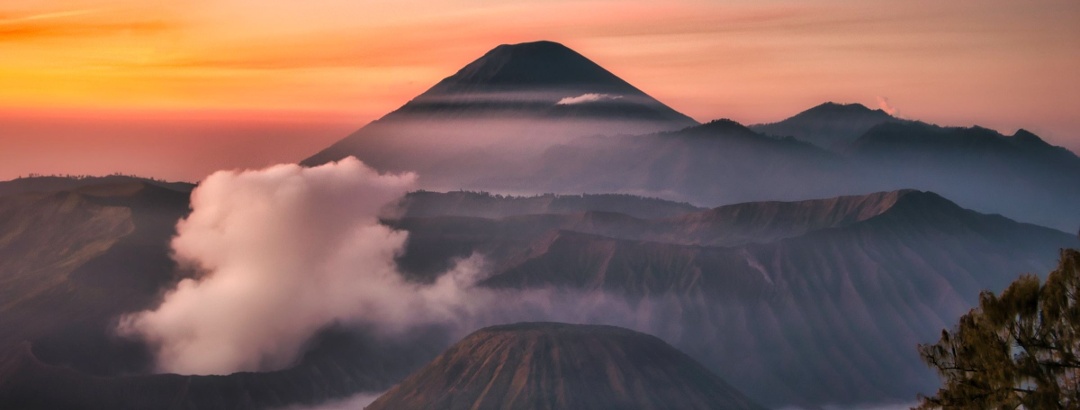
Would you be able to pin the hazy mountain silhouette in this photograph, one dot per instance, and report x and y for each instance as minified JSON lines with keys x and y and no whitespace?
{"x":1020,"y":176}
{"x":499,"y":112}
{"x":714,"y":163}
{"x":538,"y":117}
{"x":829,"y":125}
{"x":530,"y":366}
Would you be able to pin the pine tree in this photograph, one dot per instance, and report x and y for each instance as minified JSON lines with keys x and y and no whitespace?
{"x":1016,"y":350}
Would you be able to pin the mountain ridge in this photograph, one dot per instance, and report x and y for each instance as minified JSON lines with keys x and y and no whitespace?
{"x":828,"y":125}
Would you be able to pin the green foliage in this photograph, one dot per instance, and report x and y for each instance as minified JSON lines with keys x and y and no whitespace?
{"x":1016,"y":350}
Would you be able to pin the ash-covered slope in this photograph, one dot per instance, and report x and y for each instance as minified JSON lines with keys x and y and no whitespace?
{"x":771,"y":220}
{"x":71,"y":259}
{"x":535,"y":366}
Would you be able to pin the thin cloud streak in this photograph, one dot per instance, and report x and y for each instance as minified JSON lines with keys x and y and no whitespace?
{"x":79,"y":25}
{"x":46,"y":16}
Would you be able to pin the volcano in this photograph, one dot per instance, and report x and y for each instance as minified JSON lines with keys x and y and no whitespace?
{"x":560,"y":366}
{"x":542,"y":79}
{"x":498,"y":113}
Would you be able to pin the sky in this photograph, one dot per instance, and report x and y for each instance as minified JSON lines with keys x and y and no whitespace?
{"x":178,"y":89}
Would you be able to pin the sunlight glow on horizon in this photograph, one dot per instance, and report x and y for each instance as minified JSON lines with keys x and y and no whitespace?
{"x":999,"y":64}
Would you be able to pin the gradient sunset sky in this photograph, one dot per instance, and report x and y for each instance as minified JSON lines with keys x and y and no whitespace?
{"x":178,"y":89}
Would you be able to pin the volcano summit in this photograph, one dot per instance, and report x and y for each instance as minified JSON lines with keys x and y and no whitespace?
{"x":501,"y":112}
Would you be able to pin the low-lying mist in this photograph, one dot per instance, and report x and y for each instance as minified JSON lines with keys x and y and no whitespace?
{"x":718,"y":163}
{"x":495,"y":151}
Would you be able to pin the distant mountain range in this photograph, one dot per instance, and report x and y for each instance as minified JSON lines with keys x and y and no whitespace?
{"x":830,"y":125}
{"x":723,"y":162}
{"x":561,"y":366}
{"x":501,"y":124}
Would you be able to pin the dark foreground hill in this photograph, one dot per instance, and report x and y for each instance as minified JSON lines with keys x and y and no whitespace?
{"x":547,"y":366}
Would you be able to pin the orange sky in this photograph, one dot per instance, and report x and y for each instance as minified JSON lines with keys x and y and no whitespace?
{"x":178,"y":89}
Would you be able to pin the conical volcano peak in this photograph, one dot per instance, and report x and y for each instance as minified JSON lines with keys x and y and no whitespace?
{"x":517,"y":99}
{"x":560,"y":366}
{"x":531,"y":66}
{"x":540,"y":80}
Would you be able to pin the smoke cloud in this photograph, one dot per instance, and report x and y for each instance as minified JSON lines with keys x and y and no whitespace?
{"x":282,"y":253}
{"x":883,"y":103}
{"x":285,"y":252}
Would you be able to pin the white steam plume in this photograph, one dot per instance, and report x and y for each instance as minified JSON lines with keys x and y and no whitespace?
{"x":283,"y":252}
{"x":286,"y":251}
{"x":883,"y":103}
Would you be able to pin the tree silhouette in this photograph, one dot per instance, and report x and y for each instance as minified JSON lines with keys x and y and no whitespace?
{"x":1016,"y":350}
